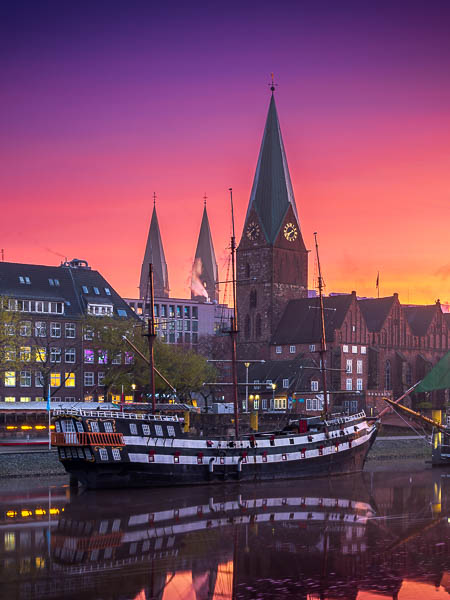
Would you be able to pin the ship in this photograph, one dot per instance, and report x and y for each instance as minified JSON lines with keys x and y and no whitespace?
{"x":116,"y":449}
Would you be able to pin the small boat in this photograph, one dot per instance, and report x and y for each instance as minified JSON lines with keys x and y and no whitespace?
{"x":104,"y":449}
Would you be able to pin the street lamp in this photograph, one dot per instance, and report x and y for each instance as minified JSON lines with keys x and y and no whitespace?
{"x":133,"y":387}
{"x":247,"y":364}
{"x":274,"y":385}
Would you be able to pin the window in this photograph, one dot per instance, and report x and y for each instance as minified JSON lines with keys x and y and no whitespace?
{"x":285,"y":383}
{"x":314,"y":404}
{"x":10,"y":398}
{"x":359,"y":366}
{"x":354,"y":349}
{"x":38,"y":379}
{"x":107,"y":291}
{"x":145,"y":429}
{"x":55,"y":380}
{"x":23,"y":279}
{"x":129,"y":358}
{"x":100,"y":310}
{"x":72,"y":399}
{"x":117,"y":359}
{"x":255,"y":382}
{"x":51,"y":282}
{"x":69,"y":380}
{"x":121,"y":312}
{"x":292,"y":349}
{"x":256,"y":404}
{"x":179,"y":312}
{"x":171,"y":430}
{"x":70,"y":355}
{"x":101,"y":378}
{"x":10,"y":379}
{"x":264,"y":403}
{"x":387,"y":375}
{"x":55,"y":354}
{"x":159,"y":430}
{"x":108,"y":427}
{"x":278,"y":349}
{"x":25,"y":378}
{"x":10,"y":354}
{"x":88,"y":378}
{"x":116,"y":453}
{"x":40,"y":329}
{"x":268,"y":384}
{"x":25,"y":398}
{"x":363,"y":349}
{"x":55,"y":330}
{"x":88,"y":355}
{"x":247,"y":327}
{"x":103,"y":454}
{"x":348,"y":384}
{"x":25,"y":353}
{"x":195,"y":312}
{"x":349,"y":368}
{"x":314,"y":385}
{"x":187,"y":312}
{"x":133,"y":428}
{"x":253,"y":299}
{"x":70,"y":330}
{"x":25,"y":328}
{"x":359,"y":384}
{"x":258,"y":326}
{"x":88,"y":333}
{"x":163,"y":310}
{"x":96,"y":291}
{"x":40,"y":354}
{"x":280,"y":404}
{"x":102,"y":357}
{"x":85,"y":289}
{"x":344,"y":348}
{"x":312,"y":347}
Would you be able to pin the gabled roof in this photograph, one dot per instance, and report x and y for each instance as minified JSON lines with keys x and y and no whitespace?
{"x":277,"y":370}
{"x":154,"y":254}
{"x":375,"y":311}
{"x":272,"y":192}
{"x":301,"y":324}
{"x":204,"y":269}
{"x":420,"y":318}
{"x":68,"y":283}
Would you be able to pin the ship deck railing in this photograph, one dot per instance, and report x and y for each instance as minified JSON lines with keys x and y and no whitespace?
{"x":114,"y":414}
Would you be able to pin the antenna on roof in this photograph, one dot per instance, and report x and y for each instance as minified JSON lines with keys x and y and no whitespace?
{"x":272,"y":85}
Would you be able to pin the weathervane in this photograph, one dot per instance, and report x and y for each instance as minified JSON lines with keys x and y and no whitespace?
{"x":272,"y":85}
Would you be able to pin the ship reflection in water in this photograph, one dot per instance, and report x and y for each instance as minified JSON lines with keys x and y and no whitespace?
{"x":364,"y":537}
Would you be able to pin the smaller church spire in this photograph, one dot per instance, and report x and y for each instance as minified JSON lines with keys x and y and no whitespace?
{"x":154,"y":253}
{"x":204,"y":270}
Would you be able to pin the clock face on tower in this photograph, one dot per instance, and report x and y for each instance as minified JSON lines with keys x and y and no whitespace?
{"x":290,"y":232}
{"x":252,"y":231}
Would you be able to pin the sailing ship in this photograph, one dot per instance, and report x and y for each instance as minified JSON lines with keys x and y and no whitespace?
{"x":105,"y":449}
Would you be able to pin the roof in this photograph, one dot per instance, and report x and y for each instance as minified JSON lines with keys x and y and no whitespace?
{"x":420,"y":318}
{"x":300,"y":322}
{"x":72,"y":283}
{"x":277,"y":370}
{"x":204,"y":269}
{"x":272,"y":192}
{"x":154,"y":254}
{"x":375,"y":311}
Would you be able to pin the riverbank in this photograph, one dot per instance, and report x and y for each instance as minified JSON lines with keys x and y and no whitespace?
{"x":36,"y":463}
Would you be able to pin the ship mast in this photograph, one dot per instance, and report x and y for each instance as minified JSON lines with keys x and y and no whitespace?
{"x":151,"y":336}
{"x":323,"y":341}
{"x":233,"y":329}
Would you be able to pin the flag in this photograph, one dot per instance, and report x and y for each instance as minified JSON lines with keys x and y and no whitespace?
{"x":438,"y":378}
{"x":48,"y":399}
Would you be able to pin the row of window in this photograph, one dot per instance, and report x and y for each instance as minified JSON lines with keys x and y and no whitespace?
{"x":24,"y":378}
{"x":348,"y":385}
{"x":38,"y":399}
{"x":181,"y":325}
{"x":40,"y":329}
{"x":178,"y":338}
{"x":359,"y":366}
{"x":170,"y":311}
{"x":37,"y":306}
{"x":102,"y":357}
{"x":269,"y":384}
{"x":292,"y":349}
{"x":27,"y":354}
{"x":96,"y":290}
{"x":354,"y":349}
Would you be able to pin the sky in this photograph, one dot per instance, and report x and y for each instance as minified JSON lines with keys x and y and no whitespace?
{"x":104,"y":103}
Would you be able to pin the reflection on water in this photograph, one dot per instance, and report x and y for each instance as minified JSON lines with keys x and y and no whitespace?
{"x":364,"y":537}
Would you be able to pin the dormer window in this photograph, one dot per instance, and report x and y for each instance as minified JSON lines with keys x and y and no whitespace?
{"x":96,"y":291}
{"x":100,"y":310}
{"x":53,"y":282}
{"x":85,"y":289}
{"x":24,"y":280}
{"x":107,"y":291}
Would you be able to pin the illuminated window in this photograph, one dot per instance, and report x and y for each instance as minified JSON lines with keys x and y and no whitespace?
{"x":88,"y":356}
{"x":55,"y":379}
{"x":9,"y":541}
{"x":10,"y":354}
{"x":69,"y":355}
{"x":25,"y":353}
{"x":129,"y":358}
{"x":89,"y":378}
{"x":25,"y":398}
{"x":40,"y":354}
{"x":69,"y":379}
{"x":102,"y":357}
{"x":10,"y":398}
{"x":10,"y":378}
{"x":25,"y":378}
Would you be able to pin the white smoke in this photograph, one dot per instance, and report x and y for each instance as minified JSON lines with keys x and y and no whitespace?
{"x":197,"y":287}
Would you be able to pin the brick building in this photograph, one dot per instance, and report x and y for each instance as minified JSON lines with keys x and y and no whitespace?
{"x":52,"y":303}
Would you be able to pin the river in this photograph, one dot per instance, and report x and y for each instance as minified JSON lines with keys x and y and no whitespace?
{"x":382,"y":534}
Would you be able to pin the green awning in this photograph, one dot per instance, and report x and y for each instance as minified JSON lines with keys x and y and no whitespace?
{"x":438,"y":378}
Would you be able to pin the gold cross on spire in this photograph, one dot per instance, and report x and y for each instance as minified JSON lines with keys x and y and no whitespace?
{"x":272,"y":85}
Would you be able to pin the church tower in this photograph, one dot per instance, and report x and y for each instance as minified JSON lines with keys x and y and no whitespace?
{"x":272,"y":260}
{"x":204,"y":270}
{"x":154,"y":253}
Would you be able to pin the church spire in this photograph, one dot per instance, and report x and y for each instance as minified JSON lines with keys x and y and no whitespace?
{"x":154,"y":253}
{"x":204,"y":270}
{"x":272,"y":192}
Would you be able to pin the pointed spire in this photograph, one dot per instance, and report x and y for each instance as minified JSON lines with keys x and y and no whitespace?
{"x":272,"y":192}
{"x":154,"y":253}
{"x":204,"y":270}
